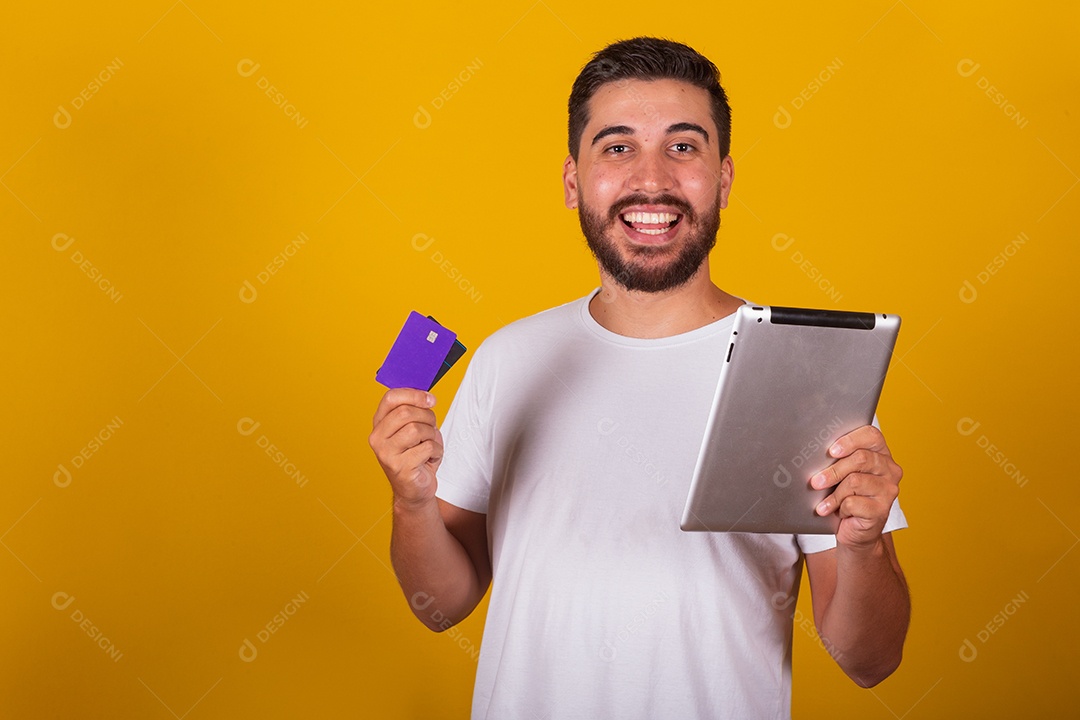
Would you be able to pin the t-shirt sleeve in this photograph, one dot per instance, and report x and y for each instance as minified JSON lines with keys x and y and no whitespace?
{"x":464,"y":476}
{"x":817,"y":543}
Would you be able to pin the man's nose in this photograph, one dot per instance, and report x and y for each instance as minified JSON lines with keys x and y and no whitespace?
{"x":651,"y":173}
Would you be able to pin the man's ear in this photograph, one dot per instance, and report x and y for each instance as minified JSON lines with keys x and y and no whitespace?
{"x":569,"y":179}
{"x":727,"y":177}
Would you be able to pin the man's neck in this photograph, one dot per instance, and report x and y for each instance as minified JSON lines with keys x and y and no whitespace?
{"x":656,"y":315}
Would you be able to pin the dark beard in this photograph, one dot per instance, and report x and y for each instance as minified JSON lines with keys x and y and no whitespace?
{"x":650,"y":277}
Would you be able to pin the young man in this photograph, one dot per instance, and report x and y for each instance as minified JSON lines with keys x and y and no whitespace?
{"x":571,"y":442}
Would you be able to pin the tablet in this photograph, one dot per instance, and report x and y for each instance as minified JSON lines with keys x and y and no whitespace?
{"x":793,"y":381}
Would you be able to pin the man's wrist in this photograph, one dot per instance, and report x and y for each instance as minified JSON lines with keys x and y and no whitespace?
{"x":864,"y":551}
{"x":415,"y":507}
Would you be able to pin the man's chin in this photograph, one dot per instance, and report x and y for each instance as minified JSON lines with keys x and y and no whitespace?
{"x":652,"y":254}
{"x":651,"y":278}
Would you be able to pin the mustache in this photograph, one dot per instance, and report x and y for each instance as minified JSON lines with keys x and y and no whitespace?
{"x":670,"y":200}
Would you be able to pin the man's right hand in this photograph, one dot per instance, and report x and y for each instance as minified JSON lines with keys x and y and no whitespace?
{"x":436,"y":548}
{"x":407,"y":444}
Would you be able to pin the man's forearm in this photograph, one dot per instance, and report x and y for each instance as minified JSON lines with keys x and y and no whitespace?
{"x":867,"y":618}
{"x":434,"y":571}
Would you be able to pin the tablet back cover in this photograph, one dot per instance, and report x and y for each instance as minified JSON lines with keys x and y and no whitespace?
{"x":793,"y":381}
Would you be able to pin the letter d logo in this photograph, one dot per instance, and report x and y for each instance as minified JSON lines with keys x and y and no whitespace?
{"x":968,"y":293}
{"x":781,"y":600}
{"x":782,"y":118}
{"x":422,"y":118}
{"x":61,"y":241}
{"x":968,"y":651}
{"x":62,"y":477}
{"x":967,"y":67}
{"x":421,"y":600}
{"x":248,"y":293}
{"x":248,"y":651}
{"x":61,"y":600}
{"x":247,"y":67}
{"x":782,"y":478}
{"x":781,"y":241}
{"x":421,"y":242}
{"x":966,"y":426}
{"x":246,"y":426}
{"x":62,"y":118}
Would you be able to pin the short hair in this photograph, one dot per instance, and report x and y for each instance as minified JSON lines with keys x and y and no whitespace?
{"x":647,"y":58}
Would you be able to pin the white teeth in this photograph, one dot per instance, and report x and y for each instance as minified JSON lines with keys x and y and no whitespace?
{"x":657,"y":231}
{"x":649,"y":218}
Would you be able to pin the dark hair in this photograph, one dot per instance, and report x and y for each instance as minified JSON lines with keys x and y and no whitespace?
{"x":647,"y":58}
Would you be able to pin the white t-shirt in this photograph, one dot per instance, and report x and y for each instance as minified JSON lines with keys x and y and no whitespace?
{"x":579,"y":444}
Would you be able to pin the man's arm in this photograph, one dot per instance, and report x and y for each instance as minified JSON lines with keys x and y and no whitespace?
{"x":439,"y":551}
{"x":861,"y":608}
{"x":861,"y":601}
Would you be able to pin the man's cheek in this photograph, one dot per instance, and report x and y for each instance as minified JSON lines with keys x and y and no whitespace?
{"x":701,"y":190}
{"x":604,"y":186}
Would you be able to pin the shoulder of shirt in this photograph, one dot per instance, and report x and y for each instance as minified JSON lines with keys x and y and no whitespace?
{"x":524,"y":333}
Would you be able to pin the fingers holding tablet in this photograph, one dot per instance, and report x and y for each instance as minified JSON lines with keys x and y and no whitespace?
{"x":867,"y":481}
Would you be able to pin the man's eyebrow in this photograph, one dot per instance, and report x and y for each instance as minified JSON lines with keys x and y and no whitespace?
{"x":627,"y":130}
{"x":612,"y":130}
{"x":688,"y":127}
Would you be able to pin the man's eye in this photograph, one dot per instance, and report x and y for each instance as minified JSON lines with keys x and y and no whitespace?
{"x":683,"y":147}
{"x":617,"y":149}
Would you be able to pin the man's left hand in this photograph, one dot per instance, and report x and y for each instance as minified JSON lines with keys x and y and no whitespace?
{"x":867,"y":480}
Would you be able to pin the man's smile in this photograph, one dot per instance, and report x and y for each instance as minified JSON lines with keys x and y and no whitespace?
{"x":650,"y":223}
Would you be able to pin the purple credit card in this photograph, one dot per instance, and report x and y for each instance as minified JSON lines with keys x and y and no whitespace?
{"x":417,"y":355}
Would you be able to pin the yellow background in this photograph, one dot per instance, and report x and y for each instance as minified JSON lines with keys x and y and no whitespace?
{"x":179,"y":180}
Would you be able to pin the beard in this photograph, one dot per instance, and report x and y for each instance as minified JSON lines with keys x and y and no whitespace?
{"x":644,"y":269}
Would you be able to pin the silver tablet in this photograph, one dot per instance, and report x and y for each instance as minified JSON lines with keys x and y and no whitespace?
{"x":792,"y":382}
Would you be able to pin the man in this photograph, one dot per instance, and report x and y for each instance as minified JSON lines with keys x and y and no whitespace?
{"x":572,"y":439}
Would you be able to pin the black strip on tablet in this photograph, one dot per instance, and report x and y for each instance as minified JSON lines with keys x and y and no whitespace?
{"x":821,"y":318}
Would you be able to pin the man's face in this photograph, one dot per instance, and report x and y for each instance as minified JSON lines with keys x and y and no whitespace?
{"x":649,"y":182}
